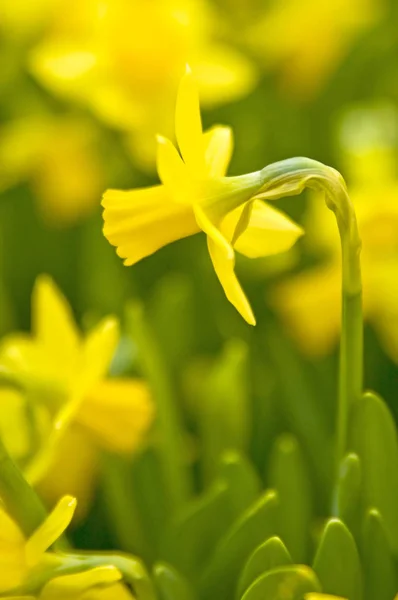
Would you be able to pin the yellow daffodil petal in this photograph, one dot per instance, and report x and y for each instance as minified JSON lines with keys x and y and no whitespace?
{"x":188,"y":125}
{"x":12,"y":555}
{"x":268,"y":231}
{"x":223,"y":259}
{"x":98,"y":351}
{"x":73,"y":470}
{"x":72,"y":587}
{"x":139,"y":222}
{"x":303,"y":302}
{"x":118,"y":413}
{"x":18,"y":598}
{"x":205,"y":223}
{"x":47,"y":533}
{"x":218,"y":143}
{"x":53,"y":322}
{"x":316,"y":596}
{"x":223,"y":74}
{"x":14,"y":426}
{"x":224,"y":268}
{"x":113,"y":592}
{"x":173,"y":172}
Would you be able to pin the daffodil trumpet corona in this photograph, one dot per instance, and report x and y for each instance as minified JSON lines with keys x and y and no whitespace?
{"x":195,"y":195}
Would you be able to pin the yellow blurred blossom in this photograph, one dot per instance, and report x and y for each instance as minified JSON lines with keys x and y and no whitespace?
{"x":123,"y":59}
{"x":196,"y":196}
{"x":57,"y":157}
{"x":71,"y":408}
{"x":18,"y":555}
{"x":306,"y":40}
{"x":308,"y":297}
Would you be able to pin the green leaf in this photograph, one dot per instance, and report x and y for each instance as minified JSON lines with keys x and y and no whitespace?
{"x":170,"y":584}
{"x":225,"y":415}
{"x":256,"y":525}
{"x":379,"y":569}
{"x":288,"y":476}
{"x":348,"y":492}
{"x":273,"y":553}
{"x":193,"y":533}
{"x":337,"y":562}
{"x":243,"y":483}
{"x":373,"y":437}
{"x":284,"y":583}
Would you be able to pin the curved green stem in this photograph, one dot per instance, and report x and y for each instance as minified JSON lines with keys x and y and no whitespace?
{"x":290,"y":177}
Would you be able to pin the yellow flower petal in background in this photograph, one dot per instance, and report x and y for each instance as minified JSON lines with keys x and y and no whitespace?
{"x":53,"y":325}
{"x":268,"y":232}
{"x":72,"y":587}
{"x":98,"y":350}
{"x":124,"y":60}
{"x":50,"y":530}
{"x":139,"y":222}
{"x":12,"y":552}
{"x":303,"y":302}
{"x":74,"y":468}
{"x":117,"y":412}
{"x":317,"y":596}
{"x":112,"y":592}
{"x":59,"y":158}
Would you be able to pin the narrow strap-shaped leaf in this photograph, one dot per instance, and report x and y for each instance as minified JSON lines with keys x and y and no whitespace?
{"x":337,"y":562}
{"x":225,"y":416}
{"x":284,"y":583}
{"x":373,"y":437}
{"x":379,"y":570}
{"x":243,"y":483}
{"x":348,"y":492}
{"x":288,"y":476}
{"x":193,"y":533}
{"x":170,"y":584}
{"x":257,"y":524}
{"x":273,"y":553}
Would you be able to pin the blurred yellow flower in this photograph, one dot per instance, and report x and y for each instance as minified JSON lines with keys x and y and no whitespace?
{"x":71,"y":408}
{"x":99,"y":583}
{"x":305,"y":299}
{"x":123,"y":59}
{"x":57,"y":157}
{"x":18,"y":555}
{"x":306,"y":40}
{"x":196,"y":196}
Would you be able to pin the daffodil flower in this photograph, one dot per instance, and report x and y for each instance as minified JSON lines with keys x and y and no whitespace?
{"x":72,"y":408}
{"x":122,"y":59}
{"x":196,"y":196}
{"x":22,"y":559}
{"x":18,"y":555}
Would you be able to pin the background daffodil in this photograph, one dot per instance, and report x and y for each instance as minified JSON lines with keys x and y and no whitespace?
{"x":18,"y":555}
{"x":57,"y":156}
{"x":196,"y":196}
{"x":68,"y":408}
{"x":122,"y":59}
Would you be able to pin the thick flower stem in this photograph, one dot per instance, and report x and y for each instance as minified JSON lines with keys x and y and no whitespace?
{"x":290,"y":177}
{"x":20,"y":500}
{"x":350,"y":360}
